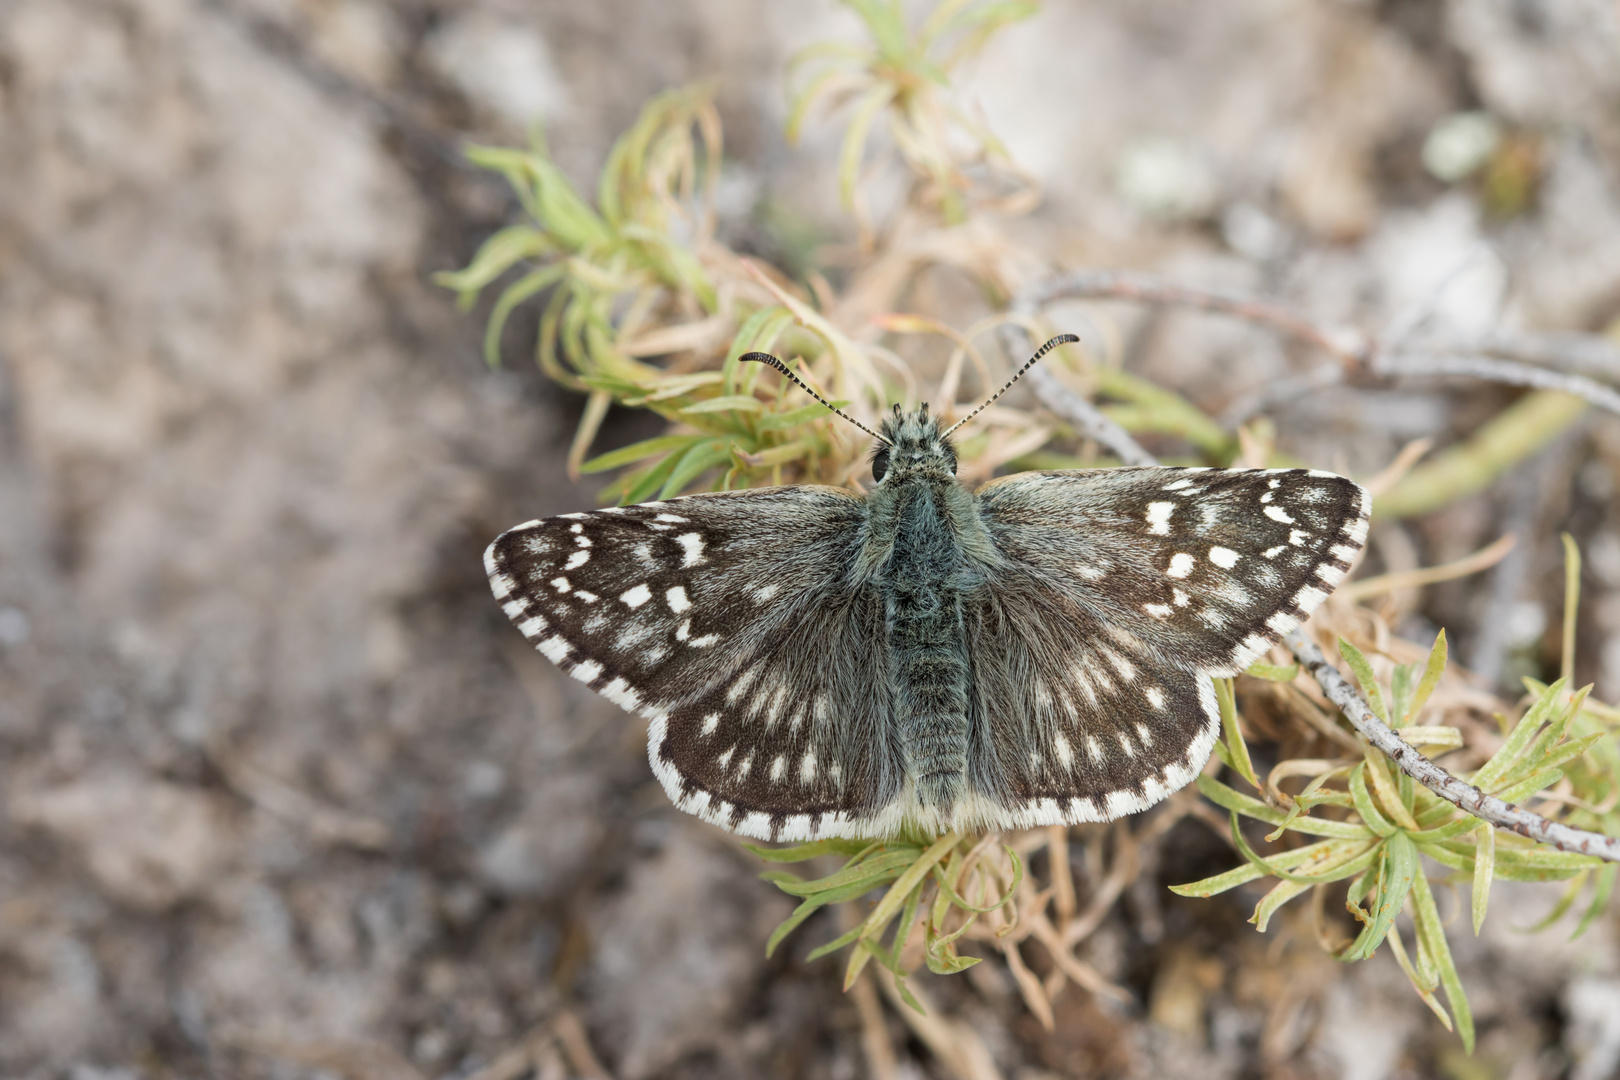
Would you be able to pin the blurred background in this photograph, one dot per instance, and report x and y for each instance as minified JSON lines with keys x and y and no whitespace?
{"x":283,"y":793}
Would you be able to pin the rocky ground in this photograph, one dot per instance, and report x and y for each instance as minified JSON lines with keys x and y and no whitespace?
{"x":281,"y":792}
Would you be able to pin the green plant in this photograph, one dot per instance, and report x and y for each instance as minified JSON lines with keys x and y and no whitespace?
{"x":642,"y":306}
{"x":1383,"y":825}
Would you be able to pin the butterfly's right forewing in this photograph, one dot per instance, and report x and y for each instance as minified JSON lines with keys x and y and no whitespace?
{"x":1117,"y":596}
{"x":735,"y":624}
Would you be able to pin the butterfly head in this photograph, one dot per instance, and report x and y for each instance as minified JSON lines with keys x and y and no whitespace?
{"x":914,"y":446}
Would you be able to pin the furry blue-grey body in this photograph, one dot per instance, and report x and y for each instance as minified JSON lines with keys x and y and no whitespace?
{"x":919,"y":510}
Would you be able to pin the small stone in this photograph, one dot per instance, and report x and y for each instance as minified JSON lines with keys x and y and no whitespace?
{"x":146,"y":843}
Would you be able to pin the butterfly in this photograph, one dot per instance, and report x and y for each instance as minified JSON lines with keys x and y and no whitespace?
{"x":814,"y":663}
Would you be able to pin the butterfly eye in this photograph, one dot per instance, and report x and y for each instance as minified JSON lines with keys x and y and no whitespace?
{"x":880,"y":464}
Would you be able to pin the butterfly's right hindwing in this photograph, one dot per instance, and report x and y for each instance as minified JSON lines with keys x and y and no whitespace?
{"x":732,"y":622}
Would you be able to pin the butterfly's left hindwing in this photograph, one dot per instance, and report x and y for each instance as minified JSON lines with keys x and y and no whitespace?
{"x":732,"y":622}
{"x":1118,"y":594}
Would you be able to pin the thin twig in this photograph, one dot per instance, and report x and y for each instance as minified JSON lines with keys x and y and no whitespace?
{"x":1507,"y":372}
{"x":1583,"y":354}
{"x":1339,"y":691}
{"x":1350,"y":349}
{"x":1464,"y":796}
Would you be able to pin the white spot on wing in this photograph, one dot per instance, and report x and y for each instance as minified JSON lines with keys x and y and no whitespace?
{"x":1181,"y":564}
{"x":1065,"y":752}
{"x":676,"y":598}
{"x":637,"y":596}
{"x":532,"y":627}
{"x":778,"y":767}
{"x":1277,"y":513}
{"x":577,"y":560}
{"x":554,"y":648}
{"x":560,"y":584}
{"x":1155,"y":698}
{"x":1308,"y":597}
{"x":691,"y":548}
{"x":1297,"y":537}
{"x":1158,"y":517}
{"x":807,"y":767}
{"x":1273,"y":552}
{"x":765,"y":592}
{"x":1159,"y":611}
{"x":618,"y":691}
{"x":587,"y":671}
{"x":1225,"y":558}
{"x":711,"y":722}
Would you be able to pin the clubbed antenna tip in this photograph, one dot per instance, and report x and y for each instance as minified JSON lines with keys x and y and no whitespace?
{"x":1061,"y":339}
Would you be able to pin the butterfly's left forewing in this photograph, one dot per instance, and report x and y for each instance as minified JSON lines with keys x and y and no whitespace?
{"x":733,"y":623}
{"x":1119,"y":594}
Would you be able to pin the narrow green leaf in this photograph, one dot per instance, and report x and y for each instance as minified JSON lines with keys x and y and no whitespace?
{"x":1519,"y":738}
{"x":919,"y":869}
{"x":1389,"y":795}
{"x":725,"y":403}
{"x":1400,"y":694}
{"x":640,"y":485}
{"x":1400,"y":865}
{"x":1530,"y":785}
{"x":1364,"y":675}
{"x":814,"y":849}
{"x":849,"y":156}
{"x":511,"y":296}
{"x":1236,"y":747}
{"x":502,"y":251}
{"x":1484,"y":867}
{"x":794,"y":417}
{"x":1572,"y":600}
{"x":647,"y":448}
{"x":1230,"y":799}
{"x":834,"y":945}
{"x":1432,"y":673}
{"x":1365,"y":807}
{"x":1571,"y":893}
{"x":1601,"y":891}
{"x":1273,"y":672}
{"x":697,"y":460}
{"x":1426,"y":919}
{"x":870,"y":872}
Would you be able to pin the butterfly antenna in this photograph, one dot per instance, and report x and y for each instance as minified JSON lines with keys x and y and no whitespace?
{"x":767,"y":358}
{"x":1061,"y":339}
